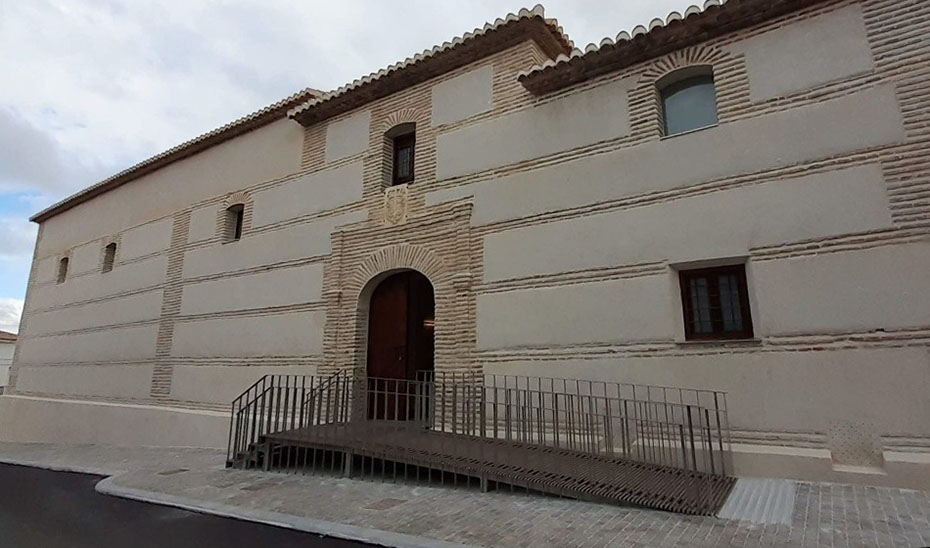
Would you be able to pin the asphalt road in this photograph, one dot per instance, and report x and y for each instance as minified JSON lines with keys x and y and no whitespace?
{"x":44,"y":509}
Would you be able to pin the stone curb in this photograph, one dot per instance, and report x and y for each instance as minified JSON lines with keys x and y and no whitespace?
{"x":108,"y":486}
{"x":61,"y":467}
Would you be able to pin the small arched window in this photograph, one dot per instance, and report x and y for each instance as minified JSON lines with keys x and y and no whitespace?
{"x":689,"y":100}
{"x":62,"y":269}
{"x":235,"y":215}
{"x":109,"y":256}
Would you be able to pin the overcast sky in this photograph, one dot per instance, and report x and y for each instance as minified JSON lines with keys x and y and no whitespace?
{"x":90,"y":87}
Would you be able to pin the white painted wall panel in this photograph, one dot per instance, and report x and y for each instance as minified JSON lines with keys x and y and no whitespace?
{"x":348,"y":136}
{"x":295,"y":334}
{"x":312,"y":193}
{"x":221,"y":383}
{"x":134,"y":308}
{"x":203,"y":224}
{"x":128,"y":343}
{"x":884,"y":287}
{"x":281,"y":287}
{"x":117,"y":381}
{"x":122,"y":278}
{"x":622,"y":310}
{"x":583,"y":118}
{"x":807,"y":53}
{"x":146,"y":239}
{"x":463,"y":96}
{"x":289,"y":243}
{"x":862,"y":120}
{"x":263,"y":154}
{"x":85,"y":258}
{"x":777,"y":390}
{"x":46,"y":270}
{"x":722,"y":224}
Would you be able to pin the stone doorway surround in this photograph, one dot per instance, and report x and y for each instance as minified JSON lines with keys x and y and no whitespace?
{"x":437,"y":244}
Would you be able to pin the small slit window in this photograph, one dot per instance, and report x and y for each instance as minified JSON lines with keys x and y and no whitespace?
{"x":715,"y":303}
{"x":689,"y":103}
{"x":109,"y":257}
{"x":234,"y":217}
{"x":62,"y":269}
{"x":404,"y":146}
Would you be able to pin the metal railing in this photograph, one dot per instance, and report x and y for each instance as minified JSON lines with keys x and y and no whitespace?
{"x":681,"y":428}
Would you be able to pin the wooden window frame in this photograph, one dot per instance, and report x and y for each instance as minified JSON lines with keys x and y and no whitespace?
{"x":739,"y":270}
{"x":398,"y":143}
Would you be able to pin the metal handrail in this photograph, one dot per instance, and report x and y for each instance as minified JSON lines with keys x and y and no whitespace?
{"x":613,"y":420}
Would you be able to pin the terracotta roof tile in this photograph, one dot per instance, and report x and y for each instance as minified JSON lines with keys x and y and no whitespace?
{"x":553,"y":40}
{"x":6,"y":336}
{"x":676,"y":31}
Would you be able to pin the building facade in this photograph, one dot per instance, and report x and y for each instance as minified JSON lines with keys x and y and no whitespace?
{"x":736,"y":198}
{"x":7,"y":345}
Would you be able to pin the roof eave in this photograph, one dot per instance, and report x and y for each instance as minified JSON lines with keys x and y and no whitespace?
{"x":529,"y":25}
{"x":263,"y":117}
{"x":677,"y":32}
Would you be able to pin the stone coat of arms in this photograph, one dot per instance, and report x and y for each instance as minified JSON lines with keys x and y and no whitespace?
{"x":395,"y":205}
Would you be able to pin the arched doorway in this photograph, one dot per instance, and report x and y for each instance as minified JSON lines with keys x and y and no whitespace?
{"x":400,"y":344}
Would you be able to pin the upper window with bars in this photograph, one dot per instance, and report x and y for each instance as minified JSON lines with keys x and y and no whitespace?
{"x":716,"y":303}
{"x":404,"y":147}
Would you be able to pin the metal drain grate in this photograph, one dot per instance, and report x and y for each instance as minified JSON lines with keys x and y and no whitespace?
{"x":763,"y":501}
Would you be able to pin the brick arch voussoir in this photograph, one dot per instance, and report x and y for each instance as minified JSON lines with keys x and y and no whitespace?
{"x":689,"y":57}
{"x":395,"y":257}
{"x":403,"y":116}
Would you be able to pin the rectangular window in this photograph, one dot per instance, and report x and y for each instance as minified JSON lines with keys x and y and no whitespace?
{"x":235,"y":215}
{"x":403,"y":158}
{"x":109,"y":256}
{"x":715,"y":302}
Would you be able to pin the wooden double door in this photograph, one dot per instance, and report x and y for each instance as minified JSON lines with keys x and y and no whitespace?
{"x":400,"y":344}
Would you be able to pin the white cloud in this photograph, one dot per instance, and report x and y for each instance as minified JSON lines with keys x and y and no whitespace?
{"x":18,"y":238}
{"x":90,"y":87}
{"x":11,"y":310}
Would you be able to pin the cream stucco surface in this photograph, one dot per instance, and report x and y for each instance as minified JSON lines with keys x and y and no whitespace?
{"x":115,"y":344}
{"x":124,"y":278}
{"x":222,"y":384}
{"x":85,"y":258}
{"x":69,"y":421}
{"x":310,"y":194}
{"x":132,"y":308}
{"x":854,"y":122}
{"x":289,"y":243}
{"x":146,"y":239}
{"x":779,"y":62}
{"x":203,"y":223}
{"x":347,"y":137}
{"x":280,"y":287}
{"x":768,"y":390}
{"x":292,"y":334}
{"x":581,"y":119}
{"x":263,"y":154}
{"x":463,"y":96}
{"x":116,"y":381}
{"x":878,"y":288}
{"x":722,"y":224}
{"x":586,"y":313}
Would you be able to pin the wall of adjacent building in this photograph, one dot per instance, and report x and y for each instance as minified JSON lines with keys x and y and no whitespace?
{"x":553,"y":229}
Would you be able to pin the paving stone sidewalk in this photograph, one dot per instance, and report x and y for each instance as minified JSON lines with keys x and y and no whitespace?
{"x":404,"y":515}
